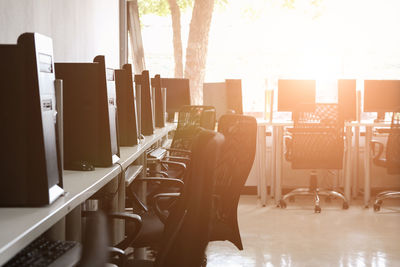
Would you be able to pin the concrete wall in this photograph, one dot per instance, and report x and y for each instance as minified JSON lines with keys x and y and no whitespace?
{"x":80,"y":29}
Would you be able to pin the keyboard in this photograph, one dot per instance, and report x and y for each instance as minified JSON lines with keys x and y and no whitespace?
{"x":43,"y":252}
{"x":158,"y":153}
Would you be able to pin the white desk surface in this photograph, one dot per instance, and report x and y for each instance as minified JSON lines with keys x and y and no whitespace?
{"x":20,"y":226}
{"x":262,"y":122}
{"x":130,"y":154}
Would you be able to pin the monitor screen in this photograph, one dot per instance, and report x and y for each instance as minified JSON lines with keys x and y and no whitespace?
{"x":347,"y":99}
{"x":214,"y":94}
{"x":381,"y":95}
{"x":292,"y":93}
{"x":234,"y":95}
{"x":178,"y":93}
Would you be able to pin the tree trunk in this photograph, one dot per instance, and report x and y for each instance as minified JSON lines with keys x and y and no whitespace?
{"x":136,"y":37}
{"x":177,"y":39}
{"x":196,"y":51}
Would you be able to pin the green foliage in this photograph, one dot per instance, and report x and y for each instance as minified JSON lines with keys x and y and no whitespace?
{"x":185,"y":4}
{"x":158,"y":7}
{"x":290,"y":4}
{"x":161,"y":7}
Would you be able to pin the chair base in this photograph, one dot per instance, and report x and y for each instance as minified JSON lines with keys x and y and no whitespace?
{"x":384,"y":195}
{"x":316,"y":193}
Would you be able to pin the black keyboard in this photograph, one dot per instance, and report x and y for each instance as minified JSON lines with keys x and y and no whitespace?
{"x":43,"y":252}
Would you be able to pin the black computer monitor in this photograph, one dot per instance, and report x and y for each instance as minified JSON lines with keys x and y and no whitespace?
{"x":234,"y":95}
{"x":293,"y":93}
{"x":347,"y":99}
{"x":226,"y":96}
{"x":158,"y":94}
{"x":30,"y":158}
{"x":90,"y":114}
{"x":142,"y":82}
{"x":381,"y":96}
{"x":214,"y":94}
{"x":126,"y":106}
{"x":178,"y":94}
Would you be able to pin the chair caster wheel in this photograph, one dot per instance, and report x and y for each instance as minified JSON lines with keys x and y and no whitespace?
{"x":345,"y":205}
{"x":282,"y":204}
{"x":377,"y":207}
{"x":317,"y":209}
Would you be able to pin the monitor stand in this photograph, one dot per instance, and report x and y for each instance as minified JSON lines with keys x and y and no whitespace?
{"x":380,"y":117}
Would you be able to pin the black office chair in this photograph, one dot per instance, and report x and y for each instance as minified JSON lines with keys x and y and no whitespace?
{"x":193,"y":200}
{"x":174,"y":164}
{"x":316,"y":142}
{"x":190,"y":118}
{"x":392,"y":160}
{"x":237,"y":158}
{"x":188,"y":247}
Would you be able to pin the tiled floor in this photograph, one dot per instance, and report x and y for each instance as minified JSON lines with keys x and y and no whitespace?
{"x":296,"y":236}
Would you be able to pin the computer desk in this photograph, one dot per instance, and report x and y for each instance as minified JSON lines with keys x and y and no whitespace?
{"x":20,"y":226}
{"x":275,"y":168}
{"x":369,"y":126}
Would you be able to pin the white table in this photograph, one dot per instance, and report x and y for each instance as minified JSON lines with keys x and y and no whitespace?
{"x":260,"y":161}
{"x":20,"y":226}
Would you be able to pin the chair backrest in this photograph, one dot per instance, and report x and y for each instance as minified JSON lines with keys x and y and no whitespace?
{"x":236,"y":160}
{"x":187,"y":228}
{"x":189,"y":120}
{"x":393,"y":145}
{"x":317,"y":138}
{"x":208,"y":119}
{"x":233,"y":168}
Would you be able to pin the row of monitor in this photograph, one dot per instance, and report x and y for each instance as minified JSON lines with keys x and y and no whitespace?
{"x":102,"y":109}
{"x":226,"y":96}
{"x":379,"y":95}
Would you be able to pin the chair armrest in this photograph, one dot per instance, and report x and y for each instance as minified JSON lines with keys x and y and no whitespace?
{"x":180,"y":165}
{"x":163,"y":215}
{"x":116,"y":251}
{"x":176,"y":158}
{"x":117,"y":256}
{"x":185,"y":151}
{"x":374,"y":145}
{"x":172,"y":181}
{"x":162,"y":173}
{"x":127,"y":217}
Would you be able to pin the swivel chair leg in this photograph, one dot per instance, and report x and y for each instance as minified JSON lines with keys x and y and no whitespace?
{"x":330,"y":193}
{"x":384,"y":195}
{"x":317,"y":208}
